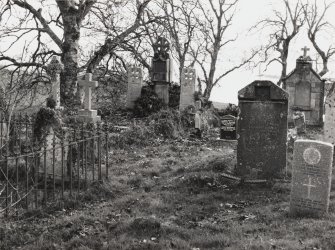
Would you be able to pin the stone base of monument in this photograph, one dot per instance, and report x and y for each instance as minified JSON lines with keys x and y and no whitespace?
{"x":162,"y":91}
{"x":88,"y":116}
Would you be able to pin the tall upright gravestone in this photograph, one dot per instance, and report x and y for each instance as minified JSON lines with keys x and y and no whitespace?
{"x":54,"y":69}
{"x":262,"y":131}
{"x":135,"y":82}
{"x":187,"y":88}
{"x":311,"y":177}
{"x":161,"y":69}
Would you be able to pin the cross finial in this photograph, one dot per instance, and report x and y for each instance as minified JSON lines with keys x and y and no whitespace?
{"x":305,"y":49}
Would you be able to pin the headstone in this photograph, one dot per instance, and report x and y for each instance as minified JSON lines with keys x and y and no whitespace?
{"x":197,"y":105}
{"x":299,"y":122}
{"x":306,"y":91}
{"x":53,"y":155}
{"x":311,"y":177}
{"x":161,"y":69}
{"x":261,"y":131}
{"x":135,"y":82}
{"x":87,"y":114}
{"x":228,"y":127}
{"x":54,"y":70}
{"x":187,"y":88}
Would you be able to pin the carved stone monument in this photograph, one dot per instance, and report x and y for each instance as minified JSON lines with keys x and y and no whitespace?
{"x":87,"y":114}
{"x":306,"y":91}
{"x":261,"y":131}
{"x":187,"y":88}
{"x":311,"y":177}
{"x":135,"y":82}
{"x":161,"y":69}
{"x":54,"y":70}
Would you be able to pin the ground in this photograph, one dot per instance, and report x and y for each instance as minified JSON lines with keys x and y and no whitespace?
{"x":172,"y":195}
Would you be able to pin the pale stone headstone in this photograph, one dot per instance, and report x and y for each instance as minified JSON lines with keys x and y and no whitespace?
{"x":299,"y":122}
{"x":187,"y":88}
{"x":197,"y":105}
{"x":54,"y":69}
{"x":262,"y":131}
{"x":135,"y":82}
{"x":87,"y":114}
{"x":311,"y":177}
{"x":57,"y":168}
{"x":329,"y":125}
{"x":197,"y":121}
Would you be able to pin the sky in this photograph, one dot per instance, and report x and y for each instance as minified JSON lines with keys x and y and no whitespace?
{"x":249,"y":13}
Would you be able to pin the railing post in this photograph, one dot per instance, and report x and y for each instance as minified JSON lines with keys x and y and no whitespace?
{"x":45,"y":171}
{"x":99,"y":152}
{"x":107,"y":149}
{"x":53,"y":165}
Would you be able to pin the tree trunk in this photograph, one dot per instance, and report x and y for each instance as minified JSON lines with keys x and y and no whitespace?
{"x":284,"y":55}
{"x":70,"y":59}
{"x":325,"y":67}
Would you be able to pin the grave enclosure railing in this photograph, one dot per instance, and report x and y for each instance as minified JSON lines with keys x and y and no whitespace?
{"x":32,"y":174}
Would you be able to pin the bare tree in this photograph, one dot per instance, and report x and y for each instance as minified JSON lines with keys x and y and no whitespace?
{"x":57,"y":31}
{"x":282,"y":27}
{"x":316,"y":23}
{"x":213,"y":20}
{"x":180,"y":26}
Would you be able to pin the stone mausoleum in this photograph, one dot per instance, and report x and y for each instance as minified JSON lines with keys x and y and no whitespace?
{"x":306,"y":91}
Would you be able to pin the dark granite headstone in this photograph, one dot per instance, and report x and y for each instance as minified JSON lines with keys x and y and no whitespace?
{"x":311,"y":177}
{"x":161,"y":69}
{"x":262,"y":131}
{"x":228,"y":127}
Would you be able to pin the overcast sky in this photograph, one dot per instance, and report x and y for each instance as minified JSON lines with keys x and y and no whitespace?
{"x":249,"y":12}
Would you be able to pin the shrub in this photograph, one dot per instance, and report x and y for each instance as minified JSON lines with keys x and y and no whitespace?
{"x":147,"y":103}
{"x":166,"y":123}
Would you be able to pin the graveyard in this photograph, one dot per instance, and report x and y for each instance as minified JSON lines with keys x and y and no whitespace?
{"x":122,"y":125}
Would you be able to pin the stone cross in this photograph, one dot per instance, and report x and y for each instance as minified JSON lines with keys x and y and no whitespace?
{"x":54,"y":69}
{"x":88,"y":84}
{"x":305,"y":49}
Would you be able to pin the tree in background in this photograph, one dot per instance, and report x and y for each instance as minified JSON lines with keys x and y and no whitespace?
{"x":57,"y":31}
{"x":317,"y":26}
{"x":213,"y":20}
{"x":282,"y":28}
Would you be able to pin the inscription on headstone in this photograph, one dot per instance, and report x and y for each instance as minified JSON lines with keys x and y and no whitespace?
{"x":262,"y":131}
{"x":311,"y":177}
{"x":187,"y":88}
{"x":228,"y":127}
{"x":135,"y":81}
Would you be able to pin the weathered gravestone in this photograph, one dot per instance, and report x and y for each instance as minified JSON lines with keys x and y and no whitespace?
{"x":299,"y":122}
{"x":311,"y":177}
{"x":306,"y":91}
{"x":228,"y":127}
{"x":54,"y":70}
{"x":135,"y":82}
{"x":87,"y":114}
{"x":161,"y":69}
{"x":262,"y":131}
{"x":52,"y":162}
{"x":187,"y":88}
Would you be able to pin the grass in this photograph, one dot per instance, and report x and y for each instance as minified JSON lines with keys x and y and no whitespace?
{"x":173,"y":196}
